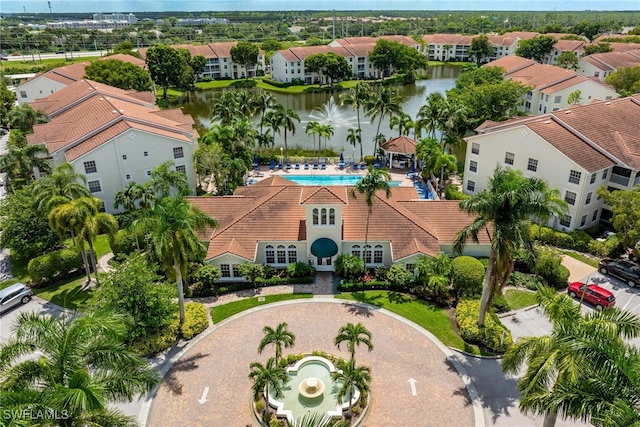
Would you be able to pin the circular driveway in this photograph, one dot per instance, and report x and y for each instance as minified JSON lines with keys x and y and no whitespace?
{"x":217,"y":367}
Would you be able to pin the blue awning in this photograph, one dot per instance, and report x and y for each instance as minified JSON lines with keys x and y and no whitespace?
{"x":324,"y":248}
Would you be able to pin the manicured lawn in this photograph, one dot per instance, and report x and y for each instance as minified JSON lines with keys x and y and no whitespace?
{"x":221,"y":312}
{"x":575,"y":255}
{"x":214,"y":84}
{"x":28,"y":65}
{"x":520,"y":298}
{"x":67,"y":293}
{"x":432,"y":318}
{"x":101,"y":245}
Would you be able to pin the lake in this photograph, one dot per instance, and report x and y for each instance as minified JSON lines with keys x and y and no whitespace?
{"x":442,"y":78}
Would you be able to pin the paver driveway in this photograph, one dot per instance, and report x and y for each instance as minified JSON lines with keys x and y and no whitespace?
{"x":221,"y":360}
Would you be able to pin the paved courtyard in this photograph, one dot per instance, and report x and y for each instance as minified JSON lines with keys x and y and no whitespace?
{"x":221,"y":360}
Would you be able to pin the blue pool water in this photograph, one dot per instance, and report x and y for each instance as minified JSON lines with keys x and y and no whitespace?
{"x":330,"y":180}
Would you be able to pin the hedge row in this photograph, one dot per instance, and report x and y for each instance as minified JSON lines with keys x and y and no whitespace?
{"x":275,"y":280}
{"x":373,"y":285}
{"x":491,"y":336}
{"x":195,"y":321}
{"x":54,"y":266}
{"x":578,"y":240}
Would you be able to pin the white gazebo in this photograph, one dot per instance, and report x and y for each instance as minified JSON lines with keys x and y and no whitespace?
{"x":403,"y":147}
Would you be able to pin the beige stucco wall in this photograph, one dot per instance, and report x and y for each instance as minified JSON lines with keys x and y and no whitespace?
{"x":589,"y":70}
{"x":230,"y":259}
{"x":40,"y":87}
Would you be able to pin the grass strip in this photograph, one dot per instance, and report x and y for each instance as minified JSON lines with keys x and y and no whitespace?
{"x":224,"y":311}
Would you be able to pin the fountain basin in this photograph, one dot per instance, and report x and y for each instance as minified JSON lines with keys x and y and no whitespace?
{"x":311,"y":388}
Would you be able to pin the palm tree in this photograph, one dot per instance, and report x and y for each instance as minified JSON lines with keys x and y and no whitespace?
{"x":354,"y":335}
{"x":354,"y":136}
{"x":67,"y":217}
{"x":279,"y":337}
{"x":173,"y":225}
{"x":431,"y":113}
{"x":288,"y":118}
{"x":263,"y":101}
{"x":327,"y":132}
{"x":20,"y":161}
{"x":358,"y":96}
{"x":435,"y":272}
{"x":403,"y":122}
{"x":267,"y":376}
{"x":164,"y":177}
{"x":352,"y":377}
{"x":508,"y":203}
{"x":387,"y":101}
{"x":24,"y":117}
{"x":63,"y":185}
{"x":375,"y":180}
{"x":225,"y":108}
{"x":127,"y":198}
{"x":82,"y":367}
{"x":246,"y":103}
{"x":318,"y":419}
{"x":442,"y":161}
{"x":313,"y":128}
{"x":560,"y":366}
{"x":274,"y":119}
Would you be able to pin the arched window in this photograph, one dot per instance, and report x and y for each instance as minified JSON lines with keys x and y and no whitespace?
{"x":377,"y":254}
{"x":282,"y":254}
{"x":323,"y":216}
{"x":270,"y":254}
{"x":293,"y":253}
{"x":315,"y":216}
{"x":355,"y":251}
{"x":332,"y":216}
{"x":367,"y":254}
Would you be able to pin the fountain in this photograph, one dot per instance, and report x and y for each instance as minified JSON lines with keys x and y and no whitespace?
{"x":331,"y":114}
{"x":311,"y":389}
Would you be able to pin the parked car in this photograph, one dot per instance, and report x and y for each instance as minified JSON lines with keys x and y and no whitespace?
{"x":14,"y":295}
{"x":59,"y":52}
{"x":627,"y":271}
{"x":593,"y":294}
{"x":4,"y":57}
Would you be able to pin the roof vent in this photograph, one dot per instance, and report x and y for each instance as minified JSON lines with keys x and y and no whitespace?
{"x":101,"y":99}
{"x":607,"y":103}
{"x":568,"y":112}
{"x":546,"y":122}
{"x":114,"y":111}
{"x":121,"y":110}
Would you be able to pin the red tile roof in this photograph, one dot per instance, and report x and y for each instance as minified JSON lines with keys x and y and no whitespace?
{"x":402,"y":144}
{"x":611,"y":61}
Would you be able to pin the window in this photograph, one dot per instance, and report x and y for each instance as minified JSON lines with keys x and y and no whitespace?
{"x":127,"y":176}
{"x":225,"y":270}
{"x":146,"y":154}
{"x":593,"y":178}
{"x":409,"y":267}
{"x":574,"y":177}
{"x":323,"y":216}
{"x":90,"y":167}
{"x":367,"y":254}
{"x":570,"y":197}
{"x":181,"y":168}
{"x":124,"y":157}
{"x":236,"y":270}
{"x":270,"y":254}
{"x":473,"y":166}
{"x":377,"y":254}
{"x":565,"y":221}
{"x":355,"y":251}
{"x":178,"y":153}
{"x":94,"y":186}
{"x":605,"y":173}
{"x":315,"y":216}
{"x":558,"y":99}
{"x":594,"y":216}
{"x":471,"y":185}
{"x":475,"y":148}
{"x":588,"y":198}
{"x":282,"y":254}
{"x":583,"y":220}
{"x":23,"y":94}
{"x":332,"y":216}
{"x":532,"y":165}
{"x":596,"y":74}
{"x":148,"y":173}
{"x":292,"y":252}
{"x":509,"y":157}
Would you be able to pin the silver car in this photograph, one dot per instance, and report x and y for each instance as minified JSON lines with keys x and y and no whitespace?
{"x":14,"y":295}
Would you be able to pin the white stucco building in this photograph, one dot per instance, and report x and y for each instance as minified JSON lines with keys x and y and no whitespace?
{"x":600,"y":65}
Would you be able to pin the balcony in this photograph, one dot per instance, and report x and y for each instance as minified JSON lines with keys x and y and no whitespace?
{"x":619,"y":179}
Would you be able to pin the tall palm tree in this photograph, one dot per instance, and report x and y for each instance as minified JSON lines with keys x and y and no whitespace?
{"x":60,"y":187}
{"x":354,"y":136}
{"x":327,"y":132}
{"x":563,"y":365}
{"x":67,"y":217}
{"x":289,"y":118}
{"x":435,"y":273}
{"x":82,"y":367}
{"x":313,"y":128}
{"x":173,"y":225}
{"x":375,"y":180}
{"x":358,"y":97}
{"x":275,"y":120}
{"x":403,"y":122}
{"x":263,"y":101}
{"x":164,"y":177}
{"x":279,"y":337}
{"x":225,"y":108}
{"x":268,"y":376}
{"x":443,"y":161}
{"x":354,"y":335}
{"x":387,"y":101}
{"x":508,"y":204}
{"x":128,"y":197}
{"x":20,"y":161}
{"x":431,"y":113}
{"x":352,"y":377}
{"x":24,"y":117}
{"x":246,"y":103}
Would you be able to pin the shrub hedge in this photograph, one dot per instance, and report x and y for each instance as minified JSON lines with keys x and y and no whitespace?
{"x":373,"y":285}
{"x":54,"y":266}
{"x":158,"y":341}
{"x":578,"y":240}
{"x":195,"y":321}
{"x":490,"y":336}
{"x":468,"y":276}
{"x":123,"y":243}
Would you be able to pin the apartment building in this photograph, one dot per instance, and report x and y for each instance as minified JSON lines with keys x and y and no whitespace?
{"x":600,"y":65}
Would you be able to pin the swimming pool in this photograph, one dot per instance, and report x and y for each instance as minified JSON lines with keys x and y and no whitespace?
{"x":330,"y":180}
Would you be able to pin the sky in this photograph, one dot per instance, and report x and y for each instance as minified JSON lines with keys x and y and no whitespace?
{"x":93,"y":6}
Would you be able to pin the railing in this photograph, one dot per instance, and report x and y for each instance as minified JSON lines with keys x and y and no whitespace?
{"x":619,"y":179}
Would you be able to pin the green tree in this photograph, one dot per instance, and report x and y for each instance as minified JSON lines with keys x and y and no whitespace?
{"x":349,"y":266}
{"x":266,"y":377}
{"x":245,"y":54}
{"x":536,"y":48}
{"x":325,"y":131}
{"x":443,"y":161}
{"x":263,"y":101}
{"x":567,"y":60}
{"x":82,"y":367}
{"x":164,"y":178}
{"x":134,"y":193}
{"x":318,"y":419}
{"x":625,"y":210}
{"x":353,"y":335}
{"x":65,"y":218}
{"x":173,"y":225}
{"x":252,"y":270}
{"x":597,"y":48}
{"x":403,"y":122}
{"x":575,"y":97}
{"x":375,"y":180}
{"x":280,"y":337}
{"x":7,"y":100}
{"x":625,"y":80}
{"x":24,"y":117}
{"x":508,"y":203}
{"x":134,"y":289}
{"x":198,"y":64}
{"x":389,"y":56}
{"x":120,"y":74}
{"x":358,"y":97}
{"x":328,"y":65}
{"x":313,"y":129}
{"x":387,"y":101}
{"x":480,"y":48}
{"x":354,"y":136}
{"x":435,"y":274}
{"x":60,"y":187}
{"x":20,"y":161}
{"x":165,"y":66}
{"x":351,"y":377}
{"x":287,"y":119}
{"x":225,"y":108}
{"x":430,"y":114}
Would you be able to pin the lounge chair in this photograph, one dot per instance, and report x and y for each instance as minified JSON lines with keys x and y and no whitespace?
{"x":355,"y":166}
{"x":315,"y":166}
{"x":297,"y":166}
{"x":288,"y":166}
{"x":376,"y":165}
{"x":363,"y":166}
{"x":279,"y":165}
{"x":306,"y":166}
{"x":272,"y":164}
{"x":323,"y":166}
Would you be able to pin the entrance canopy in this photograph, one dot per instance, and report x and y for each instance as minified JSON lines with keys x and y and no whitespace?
{"x":403,"y":147}
{"x":324,"y":248}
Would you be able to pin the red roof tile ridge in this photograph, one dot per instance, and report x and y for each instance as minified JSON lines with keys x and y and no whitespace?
{"x":323,"y":189}
{"x":235,"y":248}
{"x":628,"y":142}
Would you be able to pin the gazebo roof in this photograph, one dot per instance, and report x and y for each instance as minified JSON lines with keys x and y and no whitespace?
{"x":401,"y":144}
